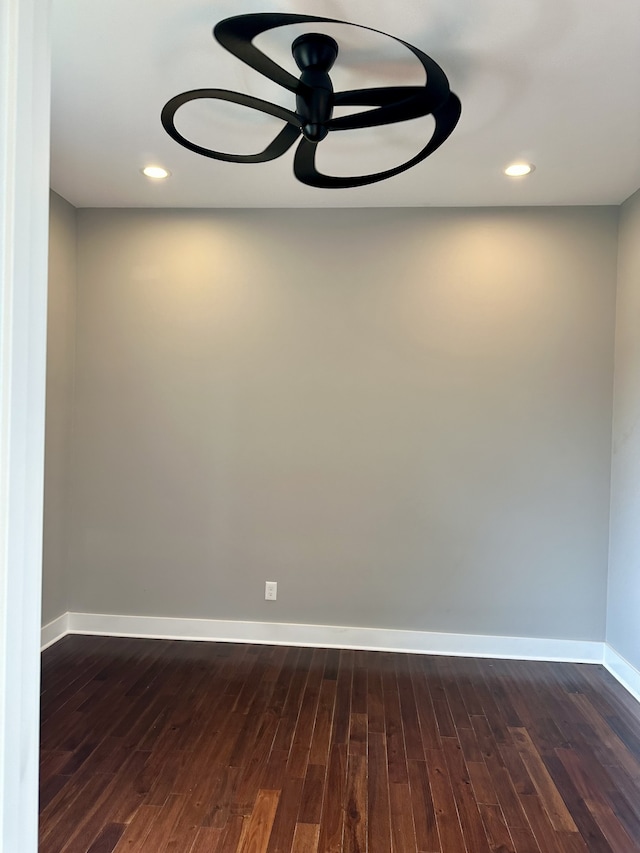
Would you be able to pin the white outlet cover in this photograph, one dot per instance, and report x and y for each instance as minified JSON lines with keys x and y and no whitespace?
{"x":270,"y":590}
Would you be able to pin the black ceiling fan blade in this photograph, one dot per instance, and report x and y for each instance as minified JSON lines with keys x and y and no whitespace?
{"x":236,"y":35}
{"x":278,"y":146}
{"x":410,"y":101}
{"x":417,"y":102}
{"x":447,"y":117}
{"x":379,"y":96}
{"x":304,"y":167}
{"x":282,"y":142}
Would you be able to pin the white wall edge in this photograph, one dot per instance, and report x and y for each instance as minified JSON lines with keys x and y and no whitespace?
{"x":54,"y":631}
{"x":622,"y":670}
{"x":331,"y":636}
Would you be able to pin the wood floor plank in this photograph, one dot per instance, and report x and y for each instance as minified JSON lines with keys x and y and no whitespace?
{"x":548,"y":840}
{"x":625,"y":805}
{"x":312,"y":795}
{"x":305,"y":838}
{"x":300,"y":747}
{"x":321,"y":737}
{"x":424,"y":813}
{"x":355,"y":820}
{"x":619,"y":754}
{"x":220,"y":805}
{"x":468,"y":811}
{"x":117,"y":802}
{"x":595,"y":786}
{"x":358,"y":734}
{"x":332,"y":663}
{"x":256,"y":830}
{"x":518,"y":773}
{"x":504,"y":785}
{"x":429,"y":731}
{"x":284,"y":825}
{"x":379,"y":823}
{"x":275,"y":770}
{"x":299,"y":754}
{"x":194,"y":811}
{"x":248,"y":730}
{"x":107,"y":838}
{"x":359,"y":684}
{"x":459,"y":713}
{"x":524,"y":841}
{"x":444,"y":720}
{"x":65,"y":812}
{"x":207,"y":840}
{"x":253,"y":771}
{"x":410,"y":722}
{"x":51,"y":788}
{"x":469,"y":743}
{"x":553,"y":803}
{"x":616,"y":835}
{"x":342,"y":708}
{"x":375,"y":701}
{"x":494,"y":699}
{"x":498,"y":835}
{"x":448,"y":822}
{"x":53,"y":762}
{"x":466,"y":674}
{"x":332,"y":822}
{"x":588,"y":831}
{"x":159,"y":831}
{"x":403,"y":835}
{"x":231,"y":835}
{"x":483,"y":788}
{"x":136,"y":832}
{"x":396,"y":753}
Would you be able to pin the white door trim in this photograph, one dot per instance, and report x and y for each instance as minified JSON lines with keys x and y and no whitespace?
{"x":25,"y":71}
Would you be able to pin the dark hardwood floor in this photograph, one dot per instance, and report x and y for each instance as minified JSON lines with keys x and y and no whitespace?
{"x":190,"y":747}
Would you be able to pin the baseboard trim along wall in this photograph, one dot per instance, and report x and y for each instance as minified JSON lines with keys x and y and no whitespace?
{"x":323,"y":636}
{"x":332,"y":636}
{"x":621,"y":669}
{"x":54,"y":631}
{"x":337,"y":637}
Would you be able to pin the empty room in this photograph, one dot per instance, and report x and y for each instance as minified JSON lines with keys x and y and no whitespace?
{"x":322,"y":497}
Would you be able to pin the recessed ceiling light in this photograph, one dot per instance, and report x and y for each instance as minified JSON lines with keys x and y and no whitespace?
{"x":156,"y":172}
{"x":517,"y":170}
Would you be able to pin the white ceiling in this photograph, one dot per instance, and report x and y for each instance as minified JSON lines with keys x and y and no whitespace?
{"x":553,"y":82}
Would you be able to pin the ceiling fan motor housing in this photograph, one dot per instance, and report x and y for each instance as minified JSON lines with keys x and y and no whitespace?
{"x":314,"y":54}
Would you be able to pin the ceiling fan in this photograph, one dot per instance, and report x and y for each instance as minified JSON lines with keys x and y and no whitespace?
{"x":312,"y":120}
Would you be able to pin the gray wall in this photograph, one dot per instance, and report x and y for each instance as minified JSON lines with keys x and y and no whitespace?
{"x":60,"y":367}
{"x":402,"y":416}
{"x":623,"y":619}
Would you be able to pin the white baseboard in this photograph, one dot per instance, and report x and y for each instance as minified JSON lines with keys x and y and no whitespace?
{"x":331,"y":636}
{"x":621,"y":669}
{"x":54,"y":631}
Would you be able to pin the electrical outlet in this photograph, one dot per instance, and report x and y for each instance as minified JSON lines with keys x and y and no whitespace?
{"x":270,"y":590}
